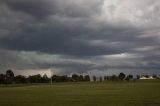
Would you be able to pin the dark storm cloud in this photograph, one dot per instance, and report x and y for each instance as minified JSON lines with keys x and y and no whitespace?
{"x":56,"y":38}
{"x":45,"y":8}
{"x":60,"y":38}
{"x":14,"y":60}
{"x":56,"y":45}
{"x":35,"y":8}
{"x":98,"y":31}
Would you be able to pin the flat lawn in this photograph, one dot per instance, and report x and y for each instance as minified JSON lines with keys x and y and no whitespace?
{"x":140,"y":93}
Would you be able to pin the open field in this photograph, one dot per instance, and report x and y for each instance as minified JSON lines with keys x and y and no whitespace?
{"x":141,"y":93}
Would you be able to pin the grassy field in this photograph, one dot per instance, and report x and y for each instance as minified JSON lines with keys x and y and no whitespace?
{"x":141,"y":93}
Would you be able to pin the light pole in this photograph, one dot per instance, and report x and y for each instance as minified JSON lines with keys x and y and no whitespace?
{"x":51,"y":74}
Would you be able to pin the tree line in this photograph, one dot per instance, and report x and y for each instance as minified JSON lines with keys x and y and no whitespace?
{"x":10,"y":78}
{"x":119,"y":77}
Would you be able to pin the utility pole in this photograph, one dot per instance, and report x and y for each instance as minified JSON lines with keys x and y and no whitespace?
{"x":51,"y":74}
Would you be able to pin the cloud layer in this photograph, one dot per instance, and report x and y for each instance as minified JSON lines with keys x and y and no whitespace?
{"x":80,"y":36}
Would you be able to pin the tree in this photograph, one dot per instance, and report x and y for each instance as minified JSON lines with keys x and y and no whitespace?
{"x":94,"y":78}
{"x":129,"y":77}
{"x":35,"y":78}
{"x":38,"y":78}
{"x":105,"y":78}
{"x":147,"y":76}
{"x":2,"y":79}
{"x":121,"y":76}
{"x":138,"y":76}
{"x":100,"y":79}
{"x":155,"y":76}
{"x":108,"y":78}
{"x":81,"y":78}
{"x":55,"y":78}
{"x":45,"y":78}
{"x":114,"y":78}
{"x":9,"y":77}
{"x":64,"y":78}
{"x":75,"y":77}
{"x":86,"y":78}
{"x":20,"y":79}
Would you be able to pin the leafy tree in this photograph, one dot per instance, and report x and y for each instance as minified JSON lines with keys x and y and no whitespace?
{"x":121,"y":76}
{"x":56,"y":78}
{"x":105,"y":78}
{"x":86,"y":78}
{"x":114,"y":78}
{"x":20,"y":79}
{"x":45,"y":78}
{"x":108,"y":78}
{"x":65,"y":78}
{"x":138,"y":76}
{"x":155,"y":76}
{"x":100,"y":78}
{"x":81,"y":78}
{"x":35,"y":78}
{"x":147,"y":76}
{"x":2,"y":79}
{"x":129,"y":77}
{"x":94,"y":78}
{"x":9,"y":77}
{"x":75,"y":77}
{"x":38,"y":78}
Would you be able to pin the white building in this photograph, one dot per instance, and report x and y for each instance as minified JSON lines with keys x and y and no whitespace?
{"x":143,"y":77}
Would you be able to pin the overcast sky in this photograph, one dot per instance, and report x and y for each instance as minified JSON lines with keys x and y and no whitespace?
{"x":80,"y":36}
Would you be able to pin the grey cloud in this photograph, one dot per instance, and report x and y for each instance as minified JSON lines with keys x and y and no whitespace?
{"x":45,"y":8}
{"x":80,"y":30}
{"x":14,"y":60}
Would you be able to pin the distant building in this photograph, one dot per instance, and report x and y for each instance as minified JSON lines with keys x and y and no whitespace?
{"x":144,"y":77}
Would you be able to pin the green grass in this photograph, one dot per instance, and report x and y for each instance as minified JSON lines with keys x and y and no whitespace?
{"x":141,"y":93}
